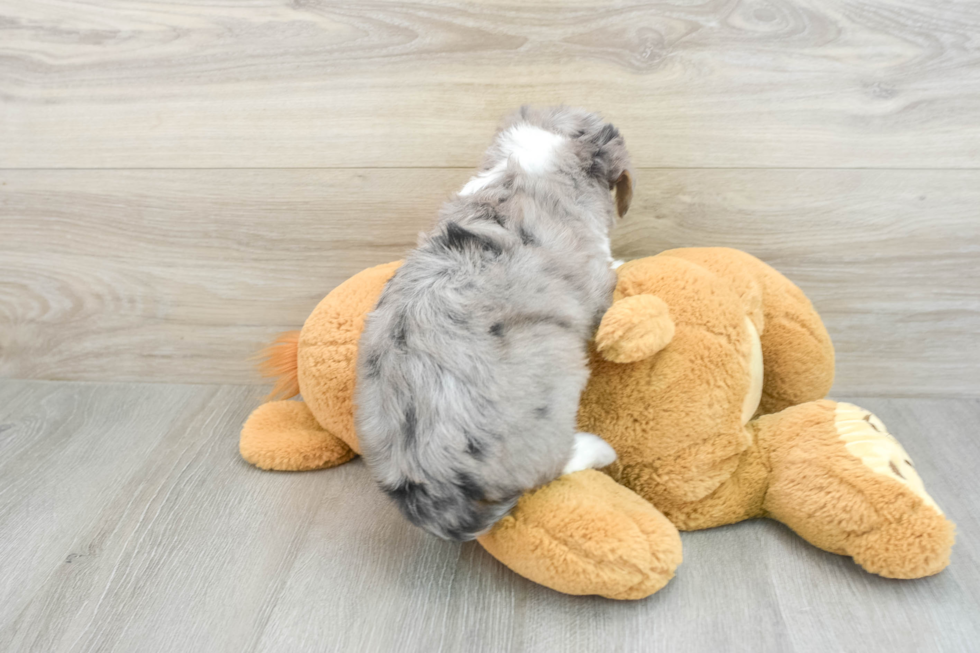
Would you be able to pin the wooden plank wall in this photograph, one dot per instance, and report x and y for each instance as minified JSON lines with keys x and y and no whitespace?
{"x":180,"y":181}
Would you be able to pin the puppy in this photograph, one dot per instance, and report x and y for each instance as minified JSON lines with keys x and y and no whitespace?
{"x":471,"y":365}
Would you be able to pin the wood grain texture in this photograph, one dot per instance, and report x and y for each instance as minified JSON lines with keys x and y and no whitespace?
{"x":130,"y":523}
{"x":180,"y":276}
{"x":890,"y":259}
{"x":181,"y":181}
{"x":805,"y":83}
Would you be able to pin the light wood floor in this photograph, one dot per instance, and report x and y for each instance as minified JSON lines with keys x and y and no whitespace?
{"x":179,"y":181}
{"x":129,"y":523}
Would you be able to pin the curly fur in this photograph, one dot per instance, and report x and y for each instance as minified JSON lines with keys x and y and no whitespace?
{"x":471,"y":365}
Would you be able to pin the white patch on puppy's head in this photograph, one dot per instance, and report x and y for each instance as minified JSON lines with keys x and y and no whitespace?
{"x":530,"y":147}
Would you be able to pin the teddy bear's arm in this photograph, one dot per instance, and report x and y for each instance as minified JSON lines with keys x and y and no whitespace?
{"x":634,"y":328}
{"x":583,"y":533}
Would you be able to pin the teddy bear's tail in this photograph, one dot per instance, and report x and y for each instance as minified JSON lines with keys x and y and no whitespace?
{"x":278,"y":361}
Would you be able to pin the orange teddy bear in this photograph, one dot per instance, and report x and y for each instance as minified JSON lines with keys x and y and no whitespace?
{"x":707,"y":378}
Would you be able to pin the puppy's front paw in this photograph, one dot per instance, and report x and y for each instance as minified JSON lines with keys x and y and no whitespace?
{"x":589,"y":452}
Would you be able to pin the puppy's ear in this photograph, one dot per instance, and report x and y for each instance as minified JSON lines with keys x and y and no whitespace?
{"x":610,"y":163}
{"x":624,"y":192}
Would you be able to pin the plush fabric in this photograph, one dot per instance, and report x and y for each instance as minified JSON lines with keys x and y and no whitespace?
{"x":284,"y":435}
{"x":708,"y":378}
{"x":584,"y":531}
{"x":327,"y":353}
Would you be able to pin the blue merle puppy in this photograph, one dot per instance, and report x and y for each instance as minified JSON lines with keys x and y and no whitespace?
{"x":472,"y":363}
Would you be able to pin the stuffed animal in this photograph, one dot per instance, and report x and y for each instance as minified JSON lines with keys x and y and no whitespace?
{"x":708,"y":374}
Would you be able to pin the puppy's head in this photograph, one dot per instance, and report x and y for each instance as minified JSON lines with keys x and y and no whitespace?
{"x":598,"y":149}
{"x":609,"y":163}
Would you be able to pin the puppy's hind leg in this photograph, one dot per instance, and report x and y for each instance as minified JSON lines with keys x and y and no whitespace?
{"x":589,"y":452}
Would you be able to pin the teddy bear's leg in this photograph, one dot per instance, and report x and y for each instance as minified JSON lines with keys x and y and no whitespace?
{"x":737,"y":498}
{"x":583,"y":533}
{"x":842,"y":482}
{"x":284,"y":435}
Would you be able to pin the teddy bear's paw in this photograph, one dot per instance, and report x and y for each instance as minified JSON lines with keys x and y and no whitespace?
{"x":917,"y":541}
{"x":583,"y":533}
{"x":841,"y":481}
{"x":866,"y":437}
{"x":915,"y":546}
{"x":284,"y":436}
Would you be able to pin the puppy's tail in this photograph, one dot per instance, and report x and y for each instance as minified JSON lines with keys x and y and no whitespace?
{"x":457,"y":511}
{"x":278,"y":361}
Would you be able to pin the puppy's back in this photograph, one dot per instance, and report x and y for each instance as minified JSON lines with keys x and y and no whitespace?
{"x":469,"y":373}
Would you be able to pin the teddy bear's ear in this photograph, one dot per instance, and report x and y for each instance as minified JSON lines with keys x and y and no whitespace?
{"x":634,"y":328}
